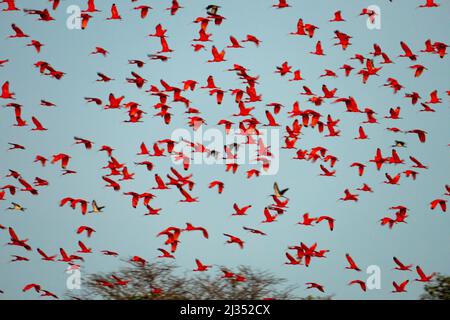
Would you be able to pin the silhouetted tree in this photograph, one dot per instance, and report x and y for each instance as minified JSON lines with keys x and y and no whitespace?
{"x":159,"y":281}
{"x":438,"y":289}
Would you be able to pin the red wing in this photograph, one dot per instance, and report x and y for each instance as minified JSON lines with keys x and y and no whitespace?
{"x":37,"y":123}
{"x":83,"y":207}
{"x":417,"y":162}
{"x":156,"y":149}
{"x":291,"y":258}
{"x":350,"y":260}
{"x":42,"y":253}
{"x":5,"y":87}
{"x":18,"y":112}
{"x":13,"y":234}
{"x":325,"y":170}
{"x":270,"y":117}
{"x":184,"y":192}
{"x":319,"y":47}
{"x":234,"y":41}
{"x":64,"y":201}
{"x":420,"y":272}
{"x":205,"y":232}
{"x":25,"y":184}
{"x":406,"y":48}
{"x":175,"y":172}
{"x":403,"y":284}
{"x":82,"y":246}
{"x":111,"y":182}
{"x":401,"y":265}
{"x":159,"y":181}
{"x":422,"y":136}
{"x":164,"y":45}
{"x":215,"y":52}
{"x":164,"y":252}
{"x":361,"y":132}
{"x":267,"y":214}
{"x":114,"y":11}
{"x":63,"y":253}
{"x":144,"y":149}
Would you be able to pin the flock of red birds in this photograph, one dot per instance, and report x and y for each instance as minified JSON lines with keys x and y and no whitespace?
{"x":117,"y":173}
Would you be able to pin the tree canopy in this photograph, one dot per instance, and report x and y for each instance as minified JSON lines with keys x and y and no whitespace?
{"x":160,"y":281}
{"x":438,"y":289}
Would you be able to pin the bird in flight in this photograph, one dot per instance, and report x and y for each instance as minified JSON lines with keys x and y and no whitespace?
{"x":183,"y":111}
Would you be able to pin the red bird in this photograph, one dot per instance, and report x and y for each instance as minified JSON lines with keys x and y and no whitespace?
{"x":422,"y":135}
{"x":392,"y":180}
{"x":86,"y":229}
{"x":15,"y":241}
{"x":36,"y":44}
{"x":38,"y":125}
{"x":33,"y":286}
{"x":83,"y":248}
{"x":398,"y":288}
{"x":407,"y":52}
{"x":6,"y":94}
{"x":349,"y":196}
{"x":234,"y":43}
{"x":100,"y":50}
{"x":313,"y":285}
{"x":44,"y":256}
{"x":330,"y":221}
{"x":44,"y":15}
{"x":45,"y":103}
{"x":144,"y":9}
{"x":217,"y":56}
{"x":190,"y":227}
{"x":281,"y":4}
{"x":186,"y":195}
{"x":252,"y":38}
{"x":307,"y":220}
{"x":233,"y":239}
{"x":174,"y":7}
{"x":64,"y":158}
{"x":27,"y":187}
{"x":165,"y":254}
{"x":378,"y":159}
{"x":201,"y":267}
{"x":219,"y":184}
{"x":337,"y":17}
{"x":360,"y":167}
{"x":352,"y":264}
{"x":111,"y":183}
{"x":326,"y":172}
{"x":429,"y":4}
{"x":361,"y":283}
{"x":11,"y":5}
{"x":441,"y":202}
{"x":18,"y":32}
{"x":73,"y":203}
{"x":240,"y":211}
{"x":400,"y":266}
{"x":417,"y":163}
{"x":422,"y":276}
{"x":268,"y":217}
{"x":114,"y":13}
{"x":319,"y":51}
{"x":292,"y":260}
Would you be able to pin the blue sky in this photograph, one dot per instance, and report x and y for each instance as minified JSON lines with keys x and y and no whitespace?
{"x":422,"y":241}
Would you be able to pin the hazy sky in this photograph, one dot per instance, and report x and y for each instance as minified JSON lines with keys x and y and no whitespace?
{"x":422,"y":241}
